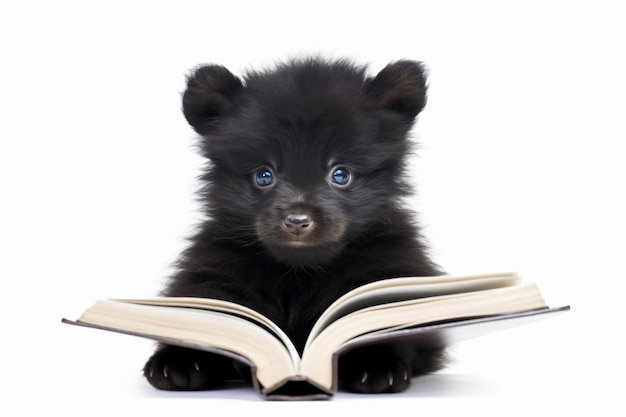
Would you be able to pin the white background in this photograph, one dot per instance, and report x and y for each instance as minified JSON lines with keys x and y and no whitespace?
{"x":520,"y":167}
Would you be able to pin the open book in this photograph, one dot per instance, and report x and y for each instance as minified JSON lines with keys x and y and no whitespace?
{"x":425,"y":312}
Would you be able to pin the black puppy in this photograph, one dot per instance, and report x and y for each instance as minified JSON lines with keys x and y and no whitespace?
{"x":303,"y":197}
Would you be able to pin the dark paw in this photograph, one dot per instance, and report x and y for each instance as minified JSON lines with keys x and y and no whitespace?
{"x":372,"y":371}
{"x":179,"y":369}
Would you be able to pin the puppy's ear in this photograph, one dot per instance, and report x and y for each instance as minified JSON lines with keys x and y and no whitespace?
{"x":209,"y":91}
{"x":401,"y":86}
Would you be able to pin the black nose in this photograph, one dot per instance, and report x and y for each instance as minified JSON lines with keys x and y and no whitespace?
{"x":298,"y":223}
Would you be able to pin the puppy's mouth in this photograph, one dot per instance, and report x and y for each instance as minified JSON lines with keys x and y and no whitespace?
{"x":297,"y":244}
{"x":300,"y":237}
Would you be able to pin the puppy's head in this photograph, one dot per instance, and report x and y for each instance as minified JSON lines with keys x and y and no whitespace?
{"x":307,"y":157}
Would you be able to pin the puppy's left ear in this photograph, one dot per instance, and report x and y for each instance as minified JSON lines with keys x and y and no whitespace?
{"x":401,"y":87}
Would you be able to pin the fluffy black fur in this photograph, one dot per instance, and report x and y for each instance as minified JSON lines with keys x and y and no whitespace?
{"x":290,"y":247}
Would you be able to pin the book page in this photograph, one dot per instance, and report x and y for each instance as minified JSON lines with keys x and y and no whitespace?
{"x":203,"y":327}
{"x":316,"y":361}
{"x":226,"y":307}
{"x":401,"y":289}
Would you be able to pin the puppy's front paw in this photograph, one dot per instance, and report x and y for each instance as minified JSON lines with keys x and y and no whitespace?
{"x":179,"y":369}
{"x":374,"y":370}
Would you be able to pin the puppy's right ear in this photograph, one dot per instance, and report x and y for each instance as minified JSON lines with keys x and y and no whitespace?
{"x":209,"y":90}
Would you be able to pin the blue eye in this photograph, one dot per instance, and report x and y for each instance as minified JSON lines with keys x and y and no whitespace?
{"x":340,"y":176}
{"x":264,"y":177}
